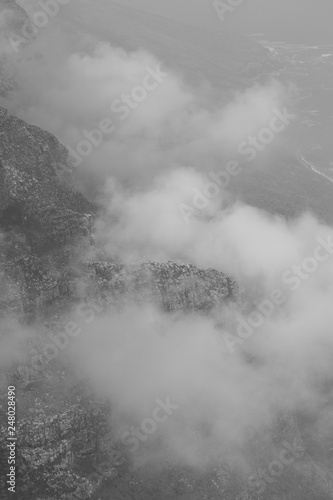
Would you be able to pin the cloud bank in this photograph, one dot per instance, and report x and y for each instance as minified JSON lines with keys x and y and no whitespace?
{"x":158,"y":153}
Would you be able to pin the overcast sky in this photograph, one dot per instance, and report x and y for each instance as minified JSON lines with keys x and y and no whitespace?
{"x":303,"y":21}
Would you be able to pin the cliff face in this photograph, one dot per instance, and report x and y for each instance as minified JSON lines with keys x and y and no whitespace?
{"x":40,"y":213}
{"x":67,"y":446}
{"x":42,"y":219}
{"x":37,"y":193}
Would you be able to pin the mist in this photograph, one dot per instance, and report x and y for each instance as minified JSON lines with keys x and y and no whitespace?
{"x":72,"y":92}
{"x":147,"y":160}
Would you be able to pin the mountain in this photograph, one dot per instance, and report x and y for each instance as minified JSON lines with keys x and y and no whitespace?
{"x":43,"y":219}
{"x":225,"y":61}
{"x":37,"y":191}
{"x":50,"y":264}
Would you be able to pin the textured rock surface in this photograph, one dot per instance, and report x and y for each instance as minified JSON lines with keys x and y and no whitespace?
{"x":66,"y":436}
{"x":35,"y":182}
{"x":171,"y":286}
{"x":41,"y":215}
{"x":42,"y":218}
{"x":64,"y":433}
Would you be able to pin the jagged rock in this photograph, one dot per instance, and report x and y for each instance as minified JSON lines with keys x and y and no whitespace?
{"x":36,"y":189}
{"x":41,"y":217}
{"x":41,"y":212}
{"x":171,"y":286}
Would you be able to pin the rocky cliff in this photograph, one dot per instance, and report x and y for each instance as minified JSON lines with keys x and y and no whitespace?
{"x":42,"y":220}
{"x":67,"y":447}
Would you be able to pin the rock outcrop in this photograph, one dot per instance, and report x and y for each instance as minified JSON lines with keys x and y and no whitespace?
{"x":42,"y":219}
{"x":67,"y":449}
{"x":36,"y":189}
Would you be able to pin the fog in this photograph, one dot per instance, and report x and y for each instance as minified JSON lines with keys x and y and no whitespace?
{"x":156,"y":159}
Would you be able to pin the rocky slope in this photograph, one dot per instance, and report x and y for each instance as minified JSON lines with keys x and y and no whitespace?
{"x":42,"y":219}
{"x":37,"y":193}
{"x":67,"y":449}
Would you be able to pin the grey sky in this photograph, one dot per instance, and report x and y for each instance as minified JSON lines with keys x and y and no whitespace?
{"x":303,"y":21}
